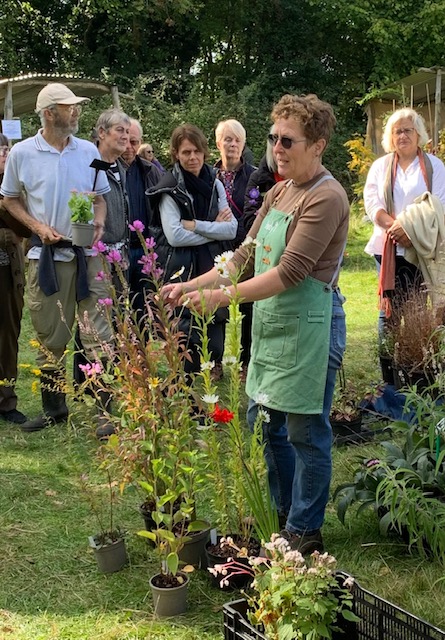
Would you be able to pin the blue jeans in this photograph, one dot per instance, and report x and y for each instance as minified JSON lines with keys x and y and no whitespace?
{"x":298,"y":447}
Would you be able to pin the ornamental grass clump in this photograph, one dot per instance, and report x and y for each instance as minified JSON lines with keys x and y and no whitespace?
{"x":416,"y":333}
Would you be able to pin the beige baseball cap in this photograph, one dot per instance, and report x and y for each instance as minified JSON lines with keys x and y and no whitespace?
{"x":56,"y":93}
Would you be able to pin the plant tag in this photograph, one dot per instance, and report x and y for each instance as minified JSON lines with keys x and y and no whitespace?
{"x":92,"y":542}
{"x":164,"y":566}
{"x":213,"y":536}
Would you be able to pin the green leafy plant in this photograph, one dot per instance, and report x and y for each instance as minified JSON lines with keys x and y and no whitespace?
{"x":81,"y":206}
{"x":292,"y":597}
{"x":406,"y":487}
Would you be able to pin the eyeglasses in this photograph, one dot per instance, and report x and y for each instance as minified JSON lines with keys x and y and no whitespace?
{"x":149,"y":150}
{"x":4,"y":152}
{"x":407,"y":132}
{"x":286,"y":142}
{"x":72,"y":108}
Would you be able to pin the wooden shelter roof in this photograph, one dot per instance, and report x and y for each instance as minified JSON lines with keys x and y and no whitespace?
{"x":26,"y":87}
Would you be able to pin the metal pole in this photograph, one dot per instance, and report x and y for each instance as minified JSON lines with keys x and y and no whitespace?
{"x":437,"y":106}
{"x":9,"y":111}
{"x":115,"y":97}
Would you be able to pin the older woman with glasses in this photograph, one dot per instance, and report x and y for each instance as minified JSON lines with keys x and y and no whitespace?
{"x":298,"y":333}
{"x":393,"y":182}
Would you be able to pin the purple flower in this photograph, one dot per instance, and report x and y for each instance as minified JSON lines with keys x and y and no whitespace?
{"x":254,"y":194}
{"x":114,"y":256}
{"x":106,"y":302}
{"x":137,"y":225}
{"x":100,"y":276}
{"x":150,"y":242}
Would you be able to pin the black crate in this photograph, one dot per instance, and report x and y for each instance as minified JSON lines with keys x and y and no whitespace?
{"x":379,"y":620}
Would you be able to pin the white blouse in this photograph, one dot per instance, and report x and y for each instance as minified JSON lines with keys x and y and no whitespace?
{"x":408,"y":185}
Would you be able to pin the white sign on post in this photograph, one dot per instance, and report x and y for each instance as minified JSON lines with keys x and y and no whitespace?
{"x":12,"y":129}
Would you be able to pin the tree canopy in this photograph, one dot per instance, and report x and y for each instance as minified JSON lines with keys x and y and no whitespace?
{"x":203,"y":60}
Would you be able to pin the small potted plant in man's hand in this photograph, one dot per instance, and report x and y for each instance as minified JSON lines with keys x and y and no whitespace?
{"x":81,"y":207}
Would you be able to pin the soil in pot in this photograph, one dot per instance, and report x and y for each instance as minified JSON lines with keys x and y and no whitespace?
{"x":169,"y":594}
{"x":219,"y":555}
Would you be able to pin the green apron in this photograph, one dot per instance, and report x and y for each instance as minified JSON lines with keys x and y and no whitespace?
{"x":290,"y":331}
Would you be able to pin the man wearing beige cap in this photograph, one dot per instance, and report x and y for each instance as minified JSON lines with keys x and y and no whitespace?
{"x":41,"y":173}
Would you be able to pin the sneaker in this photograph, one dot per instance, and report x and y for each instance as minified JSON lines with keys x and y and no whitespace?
{"x":13,"y":416}
{"x":303,"y":542}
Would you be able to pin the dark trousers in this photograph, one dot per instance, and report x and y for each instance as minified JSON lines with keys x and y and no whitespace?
{"x":11,"y":297}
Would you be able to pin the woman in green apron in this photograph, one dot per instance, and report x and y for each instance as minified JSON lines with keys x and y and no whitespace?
{"x":298,"y":333}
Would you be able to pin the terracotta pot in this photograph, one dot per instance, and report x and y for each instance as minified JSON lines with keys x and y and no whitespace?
{"x":169,"y":601}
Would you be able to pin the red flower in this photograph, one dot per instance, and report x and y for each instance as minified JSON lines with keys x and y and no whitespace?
{"x":222,"y":415}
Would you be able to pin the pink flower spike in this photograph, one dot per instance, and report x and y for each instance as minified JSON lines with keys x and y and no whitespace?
{"x":150,"y":242}
{"x":106,"y":302}
{"x":114,"y":256}
{"x":137,"y":225}
{"x":99,"y":247}
{"x":100,"y":276}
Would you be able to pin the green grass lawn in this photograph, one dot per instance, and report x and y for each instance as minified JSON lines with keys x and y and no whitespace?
{"x":50,"y":588}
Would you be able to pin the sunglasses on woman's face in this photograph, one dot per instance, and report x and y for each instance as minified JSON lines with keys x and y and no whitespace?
{"x":286,"y":142}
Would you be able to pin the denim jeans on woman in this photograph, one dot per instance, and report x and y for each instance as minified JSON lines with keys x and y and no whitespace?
{"x":298,"y":447}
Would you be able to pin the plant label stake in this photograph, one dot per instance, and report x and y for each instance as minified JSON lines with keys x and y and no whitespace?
{"x":213,"y":536}
{"x":99,"y":165}
{"x":92,"y":542}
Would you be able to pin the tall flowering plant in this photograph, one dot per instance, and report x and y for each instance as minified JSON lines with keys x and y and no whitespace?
{"x":235,"y":456}
{"x":154,"y":411}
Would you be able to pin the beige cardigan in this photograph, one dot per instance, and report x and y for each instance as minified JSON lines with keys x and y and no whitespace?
{"x":424,"y":223}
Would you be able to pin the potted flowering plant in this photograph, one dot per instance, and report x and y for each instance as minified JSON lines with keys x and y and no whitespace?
{"x":81,"y":207}
{"x":296,"y":598}
{"x":236,"y":462}
{"x":155,"y":416}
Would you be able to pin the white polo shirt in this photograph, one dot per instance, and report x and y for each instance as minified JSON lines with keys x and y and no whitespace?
{"x":45,"y":178}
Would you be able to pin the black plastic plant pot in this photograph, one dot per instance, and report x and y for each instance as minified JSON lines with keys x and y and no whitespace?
{"x":111,"y":557}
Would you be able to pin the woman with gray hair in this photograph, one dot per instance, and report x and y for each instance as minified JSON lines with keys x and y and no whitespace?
{"x":393,"y":182}
{"x":231,"y":169}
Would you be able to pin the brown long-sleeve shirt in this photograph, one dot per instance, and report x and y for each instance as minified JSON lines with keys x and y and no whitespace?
{"x":316,"y":236}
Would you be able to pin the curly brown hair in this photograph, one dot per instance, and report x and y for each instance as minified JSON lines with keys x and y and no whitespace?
{"x":315,"y":116}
